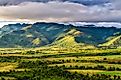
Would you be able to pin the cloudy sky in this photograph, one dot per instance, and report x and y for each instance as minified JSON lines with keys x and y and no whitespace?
{"x":60,"y":10}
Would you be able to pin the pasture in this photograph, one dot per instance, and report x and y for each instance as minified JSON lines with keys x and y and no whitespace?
{"x":40,"y":63}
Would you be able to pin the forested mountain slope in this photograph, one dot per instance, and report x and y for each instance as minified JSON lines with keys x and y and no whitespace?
{"x":54,"y":34}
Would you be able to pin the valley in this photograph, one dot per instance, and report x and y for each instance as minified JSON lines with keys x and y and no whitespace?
{"x":51,"y":51}
{"x":60,"y":39}
{"x":59,"y":63}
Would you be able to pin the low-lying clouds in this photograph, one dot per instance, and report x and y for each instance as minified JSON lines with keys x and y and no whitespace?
{"x":56,"y":11}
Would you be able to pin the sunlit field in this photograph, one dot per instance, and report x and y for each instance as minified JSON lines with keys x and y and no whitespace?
{"x":94,"y":63}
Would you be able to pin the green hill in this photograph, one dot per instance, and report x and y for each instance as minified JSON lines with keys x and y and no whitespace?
{"x":67,"y":40}
{"x":114,"y":42}
{"x":53,"y":34}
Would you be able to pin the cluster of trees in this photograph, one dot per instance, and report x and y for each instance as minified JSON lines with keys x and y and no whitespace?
{"x":98,"y":67}
{"x":8,"y":59}
{"x":104,"y":60}
{"x":81,"y":54}
{"x":38,"y":63}
{"x":40,"y":71}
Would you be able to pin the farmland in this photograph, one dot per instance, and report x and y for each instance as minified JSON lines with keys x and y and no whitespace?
{"x":59,"y":63}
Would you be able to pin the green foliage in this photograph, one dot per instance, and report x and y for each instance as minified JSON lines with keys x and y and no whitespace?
{"x":32,"y":64}
{"x":115,"y":42}
{"x":68,"y":52}
{"x":41,"y":34}
{"x":36,"y":41}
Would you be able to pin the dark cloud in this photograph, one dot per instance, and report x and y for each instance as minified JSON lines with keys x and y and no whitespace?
{"x":84,"y":2}
{"x":90,"y":2}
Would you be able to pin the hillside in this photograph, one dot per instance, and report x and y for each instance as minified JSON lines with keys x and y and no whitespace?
{"x":114,"y":42}
{"x":53,"y":34}
{"x":68,"y":40}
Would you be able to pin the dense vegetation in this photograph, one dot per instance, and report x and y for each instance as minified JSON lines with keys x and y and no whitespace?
{"x":63,"y":52}
{"x":49,"y":64}
{"x":53,"y":34}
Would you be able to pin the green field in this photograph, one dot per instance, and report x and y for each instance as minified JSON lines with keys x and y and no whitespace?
{"x":59,"y":64}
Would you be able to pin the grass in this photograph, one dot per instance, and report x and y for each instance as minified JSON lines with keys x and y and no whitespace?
{"x":85,"y":58}
{"x":57,"y":54}
{"x":118,"y":73}
{"x":91,"y":72}
{"x":88,"y":64}
{"x":62,"y":58}
{"x":7,"y":78}
{"x":69,"y":42}
{"x":7,"y":66}
{"x":54,"y":78}
{"x":65,"y":42}
{"x":86,"y":71}
{"x":111,"y":42}
{"x":36,"y":41}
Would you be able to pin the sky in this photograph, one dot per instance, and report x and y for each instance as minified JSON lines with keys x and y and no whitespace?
{"x":61,"y":10}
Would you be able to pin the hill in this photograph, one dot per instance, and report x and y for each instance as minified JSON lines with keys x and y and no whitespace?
{"x":114,"y":42}
{"x":54,"y":34}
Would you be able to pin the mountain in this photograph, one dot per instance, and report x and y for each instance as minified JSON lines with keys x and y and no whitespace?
{"x":59,"y":35}
{"x":10,"y":28}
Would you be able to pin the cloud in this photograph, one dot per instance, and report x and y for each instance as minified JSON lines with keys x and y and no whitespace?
{"x":84,"y":2}
{"x":115,"y":4}
{"x":90,"y":2}
{"x":51,"y":11}
{"x":55,"y":11}
{"x":16,"y":2}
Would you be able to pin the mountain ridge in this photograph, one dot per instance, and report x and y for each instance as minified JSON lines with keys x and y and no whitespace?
{"x":43,"y":34}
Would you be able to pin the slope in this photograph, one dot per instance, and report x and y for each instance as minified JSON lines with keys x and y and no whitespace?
{"x":67,"y":40}
{"x":115,"y":42}
{"x":42,"y":34}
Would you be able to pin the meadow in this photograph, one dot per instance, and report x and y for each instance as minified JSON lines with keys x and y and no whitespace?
{"x":53,"y":63}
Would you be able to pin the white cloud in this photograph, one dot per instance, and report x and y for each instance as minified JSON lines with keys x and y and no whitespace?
{"x":97,"y":24}
{"x":60,"y":12}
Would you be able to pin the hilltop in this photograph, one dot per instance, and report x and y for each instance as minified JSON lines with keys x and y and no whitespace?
{"x":54,"y":34}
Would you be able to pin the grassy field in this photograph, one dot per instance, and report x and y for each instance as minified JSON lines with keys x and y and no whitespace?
{"x":86,"y":71}
{"x":25,"y":63}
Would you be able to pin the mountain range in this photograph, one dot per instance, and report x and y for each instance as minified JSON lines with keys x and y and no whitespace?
{"x":59,"y":35}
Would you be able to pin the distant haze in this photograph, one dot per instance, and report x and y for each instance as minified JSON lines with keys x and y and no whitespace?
{"x":2,"y":23}
{"x":97,"y":24}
